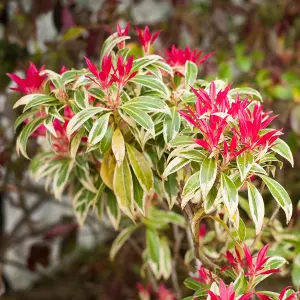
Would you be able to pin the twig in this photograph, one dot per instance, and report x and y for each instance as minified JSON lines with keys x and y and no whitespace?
{"x":257,"y":238}
{"x":178,"y":239}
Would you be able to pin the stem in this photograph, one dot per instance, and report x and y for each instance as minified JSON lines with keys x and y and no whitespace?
{"x":178,"y":239}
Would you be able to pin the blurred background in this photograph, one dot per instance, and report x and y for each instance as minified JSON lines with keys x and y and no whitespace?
{"x":43,"y":253}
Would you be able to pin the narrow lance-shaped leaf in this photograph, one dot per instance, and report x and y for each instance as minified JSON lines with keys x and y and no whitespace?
{"x":141,"y":167}
{"x":280,"y":195}
{"x":175,"y":165}
{"x":165,"y":263}
{"x":118,"y":145}
{"x":229,"y":194}
{"x":76,"y":140}
{"x":79,"y":119}
{"x":139,"y":195}
{"x":283,"y":149}
{"x":81,"y":98}
{"x":123,"y":187}
{"x":257,"y":207}
{"x":152,"y":83}
{"x":171,"y":189}
{"x":21,"y":143}
{"x":120,"y":240}
{"x":107,"y":169}
{"x":113,"y":209}
{"x":99,"y":129}
{"x":208,"y":174}
{"x":110,"y":43}
{"x":190,"y":187}
{"x":171,"y":125}
{"x":141,"y":118}
{"x":152,"y":242}
{"x":191,"y":71}
{"x":244,"y":163}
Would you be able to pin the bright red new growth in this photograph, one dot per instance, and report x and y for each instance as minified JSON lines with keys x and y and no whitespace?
{"x":122,"y":32}
{"x":33,"y":81}
{"x":227,"y":293}
{"x":254,"y":266}
{"x":178,"y":57}
{"x":146,"y":38}
{"x":109,"y":75}
{"x":229,"y":126}
{"x":164,"y":294}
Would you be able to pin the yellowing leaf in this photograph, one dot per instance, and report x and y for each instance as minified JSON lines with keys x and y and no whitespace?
{"x":118,"y":146}
{"x":107,"y":169}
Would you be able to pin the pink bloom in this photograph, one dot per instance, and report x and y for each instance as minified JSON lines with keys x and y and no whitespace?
{"x":178,"y":57}
{"x":146,"y":38}
{"x":33,"y":81}
{"x":164,"y":294}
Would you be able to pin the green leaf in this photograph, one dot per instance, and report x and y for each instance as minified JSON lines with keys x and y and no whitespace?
{"x":171,"y":125}
{"x":139,"y":195}
{"x":98,"y":201}
{"x":165,"y":257}
{"x":82,"y":203}
{"x":29,"y":128}
{"x":191,"y":72}
{"x":171,"y":189}
{"x":244,"y":163}
{"x":240,"y":284}
{"x":152,"y":83}
{"x":193,"y":284}
{"x":283,"y":149}
{"x":120,"y":240}
{"x":48,"y":123}
{"x":123,"y":187}
{"x":118,"y":145}
{"x":141,"y":167}
{"x":99,"y":129}
{"x":97,"y":93}
{"x":296,"y":271}
{"x":73,"y":33}
{"x":145,"y":61}
{"x":175,"y":165}
{"x":113,"y":210}
{"x":180,"y":141}
{"x":164,"y":66}
{"x":229,"y":194}
{"x":106,"y":141}
{"x":141,"y":118}
{"x":191,"y":185}
{"x":256,"y":168}
{"x":147,"y":104}
{"x":242,"y":231}
{"x":79,"y":119}
{"x":107,"y":169}
{"x":257,"y":207}
{"x":110,"y":43}
{"x":280,"y":195}
{"x":245,"y":91}
{"x":162,"y":216}
{"x":210,"y":200}
{"x":32,"y":100}
{"x":61,"y":178}
{"x":208,"y":174}
{"x":76,"y":140}
{"x":81,"y":98}
{"x":22,"y":118}
{"x":152,"y":243}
